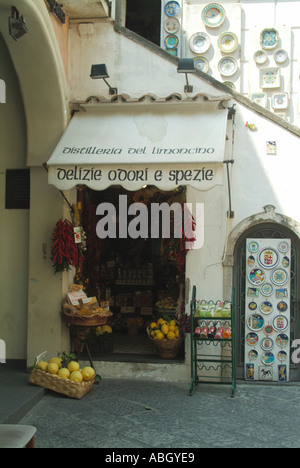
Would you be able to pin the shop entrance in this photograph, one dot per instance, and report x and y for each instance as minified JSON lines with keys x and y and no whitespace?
{"x":266,"y":231}
{"x":142,"y":276}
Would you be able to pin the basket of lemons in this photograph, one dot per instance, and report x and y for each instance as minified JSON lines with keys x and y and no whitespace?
{"x":63,"y":376}
{"x":166,"y":337}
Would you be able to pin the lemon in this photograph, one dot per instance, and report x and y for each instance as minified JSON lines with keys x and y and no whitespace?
{"x":64,"y":373}
{"x":87,"y":373}
{"x":172,"y":328}
{"x":152,"y":333}
{"x":76,"y":376}
{"x":171,"y":335}
{"x":177,"y":333}
{"x":153,"y":325}
{"x":164,"y":329}
{"x":106,"y":329}
{"x":56,"y":360}
{"x":159,"y":321}
{"x":173,"y":323}
{"x":73,"y":366}
{"x":159,"y":336}
{"x":53,"y":368}
{"x":43,"y":365}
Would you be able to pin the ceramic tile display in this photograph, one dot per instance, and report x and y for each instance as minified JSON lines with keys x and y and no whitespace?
{"x":172,"y":26}
{"x":267,"y":309}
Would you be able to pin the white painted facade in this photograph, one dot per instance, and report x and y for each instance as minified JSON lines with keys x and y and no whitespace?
{"x":137,"y":68}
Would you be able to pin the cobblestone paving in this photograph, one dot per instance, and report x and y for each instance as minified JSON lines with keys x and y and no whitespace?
{"x":142,"y":414}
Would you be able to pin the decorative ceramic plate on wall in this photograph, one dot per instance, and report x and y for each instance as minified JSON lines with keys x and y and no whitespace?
{"x":172,"y":25}
{"x":268,"y":258}
{"x":259,"y":98}
{"x":283,"y":247}
{"x":267,"y":344}
{"x":269,"y":38}
{"x":280,"y":56}
{"x":228,"y":66}
{"x":280,"y":323}
{"x":252,"y":339}
{"x":282,"y":340}
{"x":228,"y":42}
{"x":200,"y":43}
{"x":270,"y":78}
{"x":213,"y":15}
{"x":267,"y":289}
{"x":260,"y":57}
{"x":255,"y":322}
{"x":172,"y":8}
{"x":280,"y":100}
{"x":268,"y":358}
{"x":256,"y":277}
{"x":201,"y":64}
{"x":279,"y":277}
{"x":229,"y":84}
{"x":171,"y":41}
{"x":253,"y":246}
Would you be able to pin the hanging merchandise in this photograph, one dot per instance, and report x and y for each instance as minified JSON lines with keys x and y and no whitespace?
{"x":268,"y":361}
{"x":65,"y":251}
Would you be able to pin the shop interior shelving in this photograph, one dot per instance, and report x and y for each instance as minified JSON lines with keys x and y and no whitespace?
{"x":212,"y":360}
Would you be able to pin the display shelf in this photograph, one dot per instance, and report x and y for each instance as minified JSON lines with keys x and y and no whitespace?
{"x":212,"y":359}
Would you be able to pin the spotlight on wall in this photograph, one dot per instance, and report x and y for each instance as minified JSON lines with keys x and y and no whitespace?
{"x":16,"y":24}
{"x":186,"y":66}
{"x":100,"y":72}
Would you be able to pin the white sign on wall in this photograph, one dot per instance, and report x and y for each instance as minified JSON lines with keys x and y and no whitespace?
{"x":267,"y":309}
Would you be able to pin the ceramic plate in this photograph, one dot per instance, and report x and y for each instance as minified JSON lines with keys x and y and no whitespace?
{"x":282,"y":306}
{"x":268,"y":358}
{"x":255,"y":322}
{"x":256,"y":276}
{"x":283,"y":247}
{"x":171,"y":41}
{"x":252,"y":339}
{"x":268,"y":258}
{"x":282,"y":356}
{"x":266,"y":308}
{"x":280,"y":100}
{"x":260,"y":57}
{"x":253,"y":246}
{"x":268,"y":330}
{"x":270,"y":78}
{"x":269,"y":38}
{"x":230,"y":84}
{"x":285,"y":262}
{"x":200,"y":43}
{"x":282,"y":340}
{"x":259,"y":98}
{"x":213,"y":15}
{"x":172,"y":9}
{"x":280,"y":323}
{"x":252,"y":306}
{"x":267,"y":289}
{"x":228,"y":42}
{"x":267,"y":344}
{"x":252,"y":355}
{"x":172,"y":25}
{"x":280,"y":56}
{"x":228,"y":66}
{"x":201,"y":64}
{"x":279,"y":277}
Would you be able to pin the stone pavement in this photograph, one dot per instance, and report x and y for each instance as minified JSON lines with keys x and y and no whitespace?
{"x":120,"y":414}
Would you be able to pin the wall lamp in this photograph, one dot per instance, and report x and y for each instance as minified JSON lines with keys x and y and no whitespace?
{"x":186,"y":66}
{"x":100,"y":72}
{"x":16,"y":24}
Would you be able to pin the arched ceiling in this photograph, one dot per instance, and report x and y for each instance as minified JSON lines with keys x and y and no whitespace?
{"x":40,"y":70}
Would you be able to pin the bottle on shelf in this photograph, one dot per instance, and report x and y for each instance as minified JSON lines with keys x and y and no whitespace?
{"x":197,"y":331}
{"x":204,"y":330}
{"x":211,"y":331}
{"x":219,"y":332}
{"x":227,"y":333}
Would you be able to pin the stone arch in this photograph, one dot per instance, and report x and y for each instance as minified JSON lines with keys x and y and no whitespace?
{"x":267,"y":216}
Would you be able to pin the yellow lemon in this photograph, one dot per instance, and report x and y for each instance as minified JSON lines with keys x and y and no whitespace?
{"x":164,"y":329}
{"x":76,"y":376}
{"x":106,"y":329}
{"x":159,"y":336}
{"x":57,"y":361}
{"x":87,"y":373}
{"x":173,"y":323}
{"x":177,"y":333}
{"x":152,"y":333}
{"x":159,"y":321}
{"x":53,"y":368}
{"x":171,"y":335}
{"x":43,"y":365}
{"x":73,"y":366}
{"x":172,"y":328}
{"x":153,"y":325}
{"x":64,"y":373}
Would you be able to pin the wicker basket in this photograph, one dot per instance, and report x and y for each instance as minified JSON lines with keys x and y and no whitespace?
{"x":95,"y":320}
{"x":166,"y":349}
{"x":60,"y":385}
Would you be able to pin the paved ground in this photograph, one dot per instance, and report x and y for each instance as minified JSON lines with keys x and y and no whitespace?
{"x":119,"y":414}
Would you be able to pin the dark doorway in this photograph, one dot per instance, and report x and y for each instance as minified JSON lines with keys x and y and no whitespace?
{"x":143,"y":17}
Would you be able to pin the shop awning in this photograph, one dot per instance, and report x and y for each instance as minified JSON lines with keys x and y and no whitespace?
{"x":136,"y":145}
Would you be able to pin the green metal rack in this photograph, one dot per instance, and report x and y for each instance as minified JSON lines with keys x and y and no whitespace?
{"x":213,"y":360}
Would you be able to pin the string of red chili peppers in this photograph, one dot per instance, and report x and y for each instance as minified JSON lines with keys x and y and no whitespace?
{"x":65,"y":252}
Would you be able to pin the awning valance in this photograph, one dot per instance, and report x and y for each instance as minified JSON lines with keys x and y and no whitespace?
{"x":136,"y":145}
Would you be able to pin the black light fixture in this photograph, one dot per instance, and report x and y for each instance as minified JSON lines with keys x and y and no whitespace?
{"x":100,"y":72}
{"x":16,"y":24}
{"x":186,"y":65}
